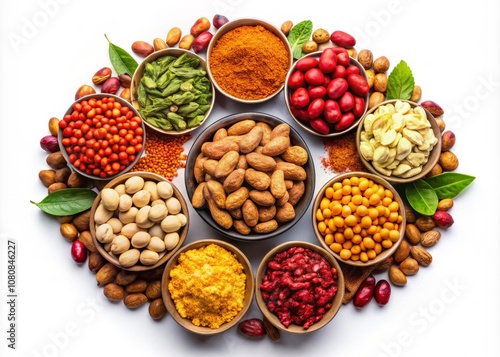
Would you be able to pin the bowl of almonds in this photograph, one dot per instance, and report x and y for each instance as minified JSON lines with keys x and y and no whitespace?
{"x":250,"y":176}
{"x":399,"y":140}
{"x":138,"y":221}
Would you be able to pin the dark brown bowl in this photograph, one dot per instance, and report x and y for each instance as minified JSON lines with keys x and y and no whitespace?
{"x":166,"y":256}
{"x":337,"y":301}
{"x":207,"y":135}
{"x":249,"y":287}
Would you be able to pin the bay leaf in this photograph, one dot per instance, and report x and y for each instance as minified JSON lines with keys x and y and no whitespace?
{"x":122,"y":61}
{"x":449,"y":184}
{"x":67,"y":202}
{"x":422,"y":197}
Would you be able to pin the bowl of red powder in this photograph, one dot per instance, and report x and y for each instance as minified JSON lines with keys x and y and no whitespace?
{"x":248,"y":60}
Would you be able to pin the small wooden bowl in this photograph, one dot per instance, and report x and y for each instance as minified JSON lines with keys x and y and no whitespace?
{"x":99,"y":96}
{"x":231,"y":25}
{"x":386,"y":253}
{"x":432,"y":159}
{"x":175,"y":52}
{"x":305,"y":125}
{"x":166,"y":256}
{"x":337,"y":301}
{"x":249,"y":287}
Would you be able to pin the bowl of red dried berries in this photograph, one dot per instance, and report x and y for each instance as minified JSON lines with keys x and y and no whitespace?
{"x":299,"y":287}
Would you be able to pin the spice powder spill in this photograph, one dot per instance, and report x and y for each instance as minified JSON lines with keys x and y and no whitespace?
{"x":250,"y":62}
{"x":342,"y":154}
{"x":164,"y":155}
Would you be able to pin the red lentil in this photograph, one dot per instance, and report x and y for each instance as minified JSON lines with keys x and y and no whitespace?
{"x":164,"y":155}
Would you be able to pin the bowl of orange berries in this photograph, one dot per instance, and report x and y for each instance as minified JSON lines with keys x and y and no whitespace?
{"x":359,"y":217}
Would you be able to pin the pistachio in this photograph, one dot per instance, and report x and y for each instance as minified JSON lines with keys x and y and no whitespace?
{"x":130,"y":229}
{"x":157,"y":213}
{"x":156,"y":244}
{"x":142,"y":217}
{"x":171,"y":223}
{"x":140,"y":239}
{"x":149,"y":257}
{"x":141,"y":198}
{"x":102,"y":215}
{"x":164,"y":189}
{"x":110,"y":199}
{"x":129,"y":258}
{"x":171,"y":240}
{"x":119,"y":244}
{"x":104,"y":233}
{"x":134,"y":184}
{"x":173,"y":205}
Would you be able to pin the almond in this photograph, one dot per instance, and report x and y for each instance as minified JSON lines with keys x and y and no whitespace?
{"x":135,"y":300}
{"x":96,"y":261}
{"x":396,"y":276}
{"x":409,"y":266}
{"x":114,"y":292}
{"x":138,"y":286}
{"x":430,"y":238}
{"x":126,"y":277}
{"x":421,"y":255}
{"x":402,"y":252}
{"x":412,"y":233}
{"x":106,"y":274}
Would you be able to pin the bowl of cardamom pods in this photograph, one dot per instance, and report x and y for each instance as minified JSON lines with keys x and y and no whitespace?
{"x":172,"y":91}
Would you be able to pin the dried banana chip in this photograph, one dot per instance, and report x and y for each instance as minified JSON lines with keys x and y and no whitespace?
{"x":412,"y":172}
{"x":401,"y":169}
{"x":402,"y":107}
{"x":366,"y":150}
{"x":403,"y":149}
{"x":388,"y":137}
{"x":381,"y":155}
{"x":413,"y":136}
{"x":416,"y":159}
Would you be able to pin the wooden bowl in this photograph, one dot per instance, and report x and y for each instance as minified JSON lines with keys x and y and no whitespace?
{"x":249,"y":287}
{"x":167,"y":254}
{"x":207,"y":135}
{"x":385,"y":253}
{"x":234,"y":24}
{"x":330,"y":313}
{"x":175,"y":52}
{"x":432,"y":158}
{"x":99,"y":96}
{"x":304,"y":124}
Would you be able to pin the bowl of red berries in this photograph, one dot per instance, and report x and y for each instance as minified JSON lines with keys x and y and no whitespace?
{"x":101,"y":136}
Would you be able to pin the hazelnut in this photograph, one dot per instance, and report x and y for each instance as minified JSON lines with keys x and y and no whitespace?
{"x":441,"y":124}
{"x":365,"y":58}
{"x":380,"y":82}
{"x":56,"y":186}
{"x":286,"y":27}
{"x":83,"y":91}
{"x":416,"y":95}
{"x":425,"y":223}
{"x":448,"y":161}
{"x":47,"y":177}
{"x":445,"y":204}
{"x":381,"y":64}
{"x":436,"y":170}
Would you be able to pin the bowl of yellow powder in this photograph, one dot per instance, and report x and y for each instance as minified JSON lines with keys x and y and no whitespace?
{"x":248,"y":60}
{"x":208,"y":286}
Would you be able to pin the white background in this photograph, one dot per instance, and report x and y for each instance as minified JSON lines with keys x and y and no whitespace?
{"x":50,"y":47}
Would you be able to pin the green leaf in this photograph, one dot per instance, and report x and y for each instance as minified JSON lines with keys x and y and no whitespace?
{"x":67,"y":202}
{"x":400,"y":82}
{"x":122,"y":62}
{"x":449,"y":184}
{"x":298,"y":35}
{"x":422,"y":197}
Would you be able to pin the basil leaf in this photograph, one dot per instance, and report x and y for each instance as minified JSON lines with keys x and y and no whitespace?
{"x":67,"y":202}
{"x":122,"y":62}
{"x":298,"y":35}
{"x":421,"y":197}
{"x":449,"y":184}
{"x":400,"y":82}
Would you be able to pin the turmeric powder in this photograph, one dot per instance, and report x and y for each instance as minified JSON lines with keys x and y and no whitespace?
{"x":208,"y":286}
